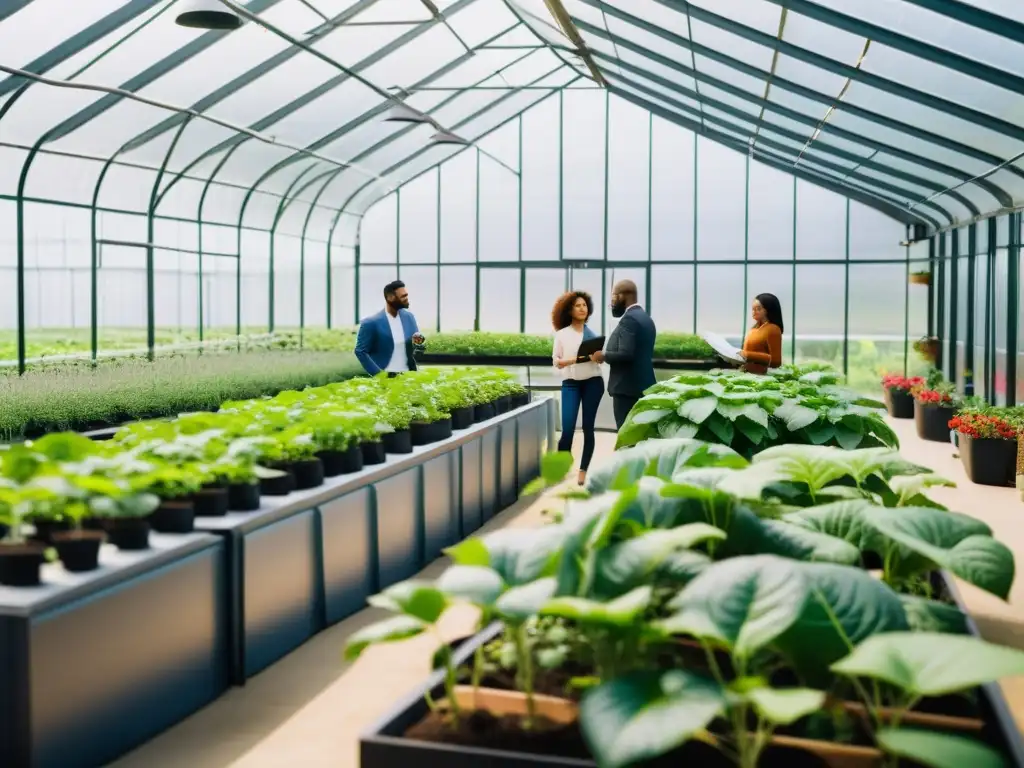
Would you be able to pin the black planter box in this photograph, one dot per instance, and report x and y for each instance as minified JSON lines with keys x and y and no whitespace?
{"x":989,"y":461}
{"x":373,"y":453}
{"x":932,"y":421}
{"x":397,"y":442}
{"x":211,"y":502}
{"x":462,"y":418}
{"x":432,"y":432}
{"x":502,"y":404}
{"x":309,"y":473}
{"x":341,"y":462}
{"x":281,"y":485}
{"x":244,"y":497}
{"x":484,"y":412}
{"x":900,"y":403}
{"x":384,"y":744}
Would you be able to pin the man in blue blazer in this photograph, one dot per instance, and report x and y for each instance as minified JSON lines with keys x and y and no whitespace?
{"x":387,"y":340}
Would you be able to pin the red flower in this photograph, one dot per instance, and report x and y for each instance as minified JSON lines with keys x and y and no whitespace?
{"x":983,"y":425}
{"x":895,"y":381}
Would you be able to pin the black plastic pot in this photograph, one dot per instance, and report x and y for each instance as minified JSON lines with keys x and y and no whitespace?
{"x":521,"y":400}
{"x":278,"y":486}
{"x":432,"y":432}
{"x":373,"y":453}
{"x":932,"y":421}
{"x":174,"y":516}
{"x":462,"y":418}
{"x":309,"y":473}
{"x":484,"y":412}
{"x":900,"y":403}
{"x":341,"y":462}
{"x":46,"y":528}
{"x":395,"y":442}
{"x":502,"y":404}
{"x":79,"y":550}
{"x":128,"y":533}
{"x":20,"y":564}
{"x":988,"y":460}
{"x":211,"y":502}
{"x":243,"y":497}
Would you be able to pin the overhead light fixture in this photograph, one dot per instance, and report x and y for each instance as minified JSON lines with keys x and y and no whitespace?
{"x":207,"y":14}
{"x":400,"y":113}
{"x":447,"y":137}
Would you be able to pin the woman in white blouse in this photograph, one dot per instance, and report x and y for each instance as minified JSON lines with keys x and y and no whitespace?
{"x":582,"y":384}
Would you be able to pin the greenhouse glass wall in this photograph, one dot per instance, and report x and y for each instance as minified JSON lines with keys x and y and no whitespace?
{"x":162,"y":184}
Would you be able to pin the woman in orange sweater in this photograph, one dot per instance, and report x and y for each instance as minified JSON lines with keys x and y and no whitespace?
{"x":762,"y":348}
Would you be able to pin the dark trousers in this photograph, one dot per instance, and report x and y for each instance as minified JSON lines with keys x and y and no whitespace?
{"x":622,"y":405}
{"x":576,"y":393}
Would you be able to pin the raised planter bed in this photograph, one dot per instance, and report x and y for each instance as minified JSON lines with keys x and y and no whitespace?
{"x":140,"y":641}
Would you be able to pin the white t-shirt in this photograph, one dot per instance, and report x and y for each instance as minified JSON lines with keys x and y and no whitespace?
{"x":567,"y":344}
{"x":399,"y":360}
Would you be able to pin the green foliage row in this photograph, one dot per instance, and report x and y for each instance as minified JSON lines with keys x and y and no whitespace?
{"x":762,"y":566}
{"x":80,"y":397}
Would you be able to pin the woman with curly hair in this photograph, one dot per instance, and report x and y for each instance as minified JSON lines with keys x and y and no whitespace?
{"x":582,"y":384}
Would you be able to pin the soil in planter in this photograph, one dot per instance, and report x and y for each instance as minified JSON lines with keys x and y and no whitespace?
{"x":20,"y":564}
{"x":244,"y":497}
{"x":487,"y":731}
{"x":79,"y":550}
{"x":211,"y":502}
{"x":177,"y":516}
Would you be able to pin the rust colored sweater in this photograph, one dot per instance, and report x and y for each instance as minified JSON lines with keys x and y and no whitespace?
{"x":763,"y":348}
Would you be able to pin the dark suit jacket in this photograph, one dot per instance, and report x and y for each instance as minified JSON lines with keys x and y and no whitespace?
{"x":374,"y":343}
{"x":630,"y":354}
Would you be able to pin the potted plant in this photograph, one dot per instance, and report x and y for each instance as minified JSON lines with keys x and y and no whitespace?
{"x":175,"y":486}
{"x":921,"y":277}
{"x":292,"y":452}
{"x":398,"y":415}
{"x":928,"y":348}
{"x":126,"y":518}
{"x":898,"y":398}
{"x":933,"y":409}
{"x":20,"y":560}
{"x":338,"y":436}
{"x":988,"y":446}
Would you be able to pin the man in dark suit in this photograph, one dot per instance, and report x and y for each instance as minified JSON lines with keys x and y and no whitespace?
{"x":629,"y":351}
{"x":387,"y":340}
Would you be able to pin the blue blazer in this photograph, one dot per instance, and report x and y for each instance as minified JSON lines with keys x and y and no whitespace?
{"x":375,"y":344}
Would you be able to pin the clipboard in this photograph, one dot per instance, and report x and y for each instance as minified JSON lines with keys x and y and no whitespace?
{"x":589,"y":347}
{"x":723,"y":348}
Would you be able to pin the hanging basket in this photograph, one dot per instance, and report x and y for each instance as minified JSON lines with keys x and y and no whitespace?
{"x":928,"y":349}
{"x":921,"y":278}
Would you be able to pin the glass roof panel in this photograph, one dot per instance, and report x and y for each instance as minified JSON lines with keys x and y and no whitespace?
{"x":391,"y":11}
{"x":729,"y":75}
{"x":824,"y":39}
{"x":660,"y":93}
{"x":759,"y":15}
{"x":737,"y":47}
{"x":941,"y":31}
{"x":51,"y":23}
{"x":536,"y":14}
{"x":652,"y":12}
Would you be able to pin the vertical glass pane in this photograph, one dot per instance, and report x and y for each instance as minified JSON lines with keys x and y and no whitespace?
{"x":499,"y":300}
{"x":721,"y":200}
{"x":820,"y":223}
{"x":459,"y":208}
{"x":378,"y":234}
{"x":873,"y":235}
{"x":818,"y":313}
{"x":458,"y":298}
{"x":421,"y":283}
{"x":417,"y":235}
{"x":672,"y":297}
{"x":254,"y":298}
{"x":314,"y":285}
{"x":876,"y":340}
{"x":980,"y":326}
{"x":720,"y":300}
{"x":543,"y":287}
{"x":287,"y":254}
{"x":1000,"y":279}
{"x":583,"y":175}
{"x":499,"y":213}
{"x":372,"y":280}
{"x":672,"y":193}
{"x":629,"y":189}
{"x":540,"y":182}
{"x":961,"y":317}
{"x":770,"y":217}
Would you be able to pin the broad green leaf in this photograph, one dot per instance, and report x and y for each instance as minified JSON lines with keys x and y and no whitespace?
{"x":628,"y":564}
{"x":521,"y":602}
{"x":419,"y":599}
{"x":925,"y":615}
{"x":471,"y":551}
{"x":721,"y":428}
{"x":555,"y":466}
{"x":518,"y":555}
{"x":931,"y":663}
{"x":938,"y":750}
{"x":784,"y":706}
{"x":744,"y":603}
{"x":813,"y":465}
{"x":860,"y":604}
{"x":535,"y":486}
{"x":661,"y":458}
{"x":619,"y":612}
{"x":788,"y":540}
{"x":910,"y":489}
{"x":698,"y":409}
{"x":674,"y":427}
{"x":649,"y":417}
{"x":683,"y":566}
{"x":387,"y":631}
{"x":795,"y":417}
{"x":846,"y":520}
{"x":475,"y":583}
{"x":646,"y":714}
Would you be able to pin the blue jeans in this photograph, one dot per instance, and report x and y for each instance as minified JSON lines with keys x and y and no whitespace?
{"x":588,"y":393}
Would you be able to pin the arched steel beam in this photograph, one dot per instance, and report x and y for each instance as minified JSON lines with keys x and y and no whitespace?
{"x":1001,"y":197}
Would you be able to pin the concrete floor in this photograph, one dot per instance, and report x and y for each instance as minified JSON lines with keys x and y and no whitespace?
{"x":309,"y":708}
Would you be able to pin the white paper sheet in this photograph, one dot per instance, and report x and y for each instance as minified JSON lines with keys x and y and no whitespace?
{"x":723,"y":348}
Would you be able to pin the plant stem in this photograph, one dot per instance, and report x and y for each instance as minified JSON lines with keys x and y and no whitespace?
{"x":524,"y":671}
{"x":478,"y":667}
